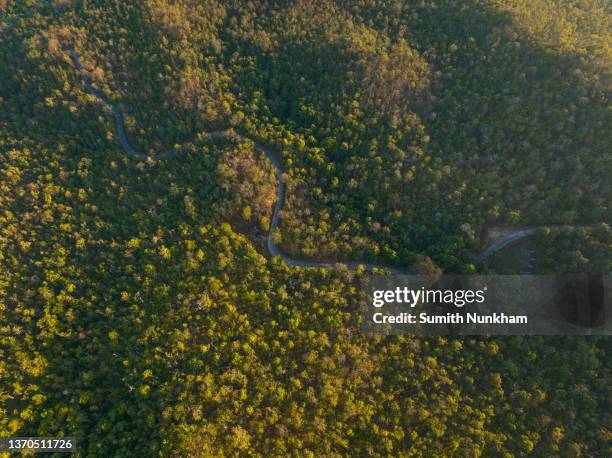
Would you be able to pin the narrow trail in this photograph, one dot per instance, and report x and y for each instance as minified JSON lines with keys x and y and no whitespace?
{"x":280,"y":186}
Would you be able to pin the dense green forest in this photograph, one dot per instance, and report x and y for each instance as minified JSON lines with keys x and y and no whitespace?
{"x":139,"y":308}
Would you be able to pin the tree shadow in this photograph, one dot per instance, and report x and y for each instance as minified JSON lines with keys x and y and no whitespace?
{"x":526,"y":121}
{"x":517,"y":127}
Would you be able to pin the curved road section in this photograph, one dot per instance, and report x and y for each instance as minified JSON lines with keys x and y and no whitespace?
{"x":280,"y":187}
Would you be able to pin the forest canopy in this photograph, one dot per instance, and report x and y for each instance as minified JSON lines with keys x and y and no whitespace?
{"x":139,"y":308}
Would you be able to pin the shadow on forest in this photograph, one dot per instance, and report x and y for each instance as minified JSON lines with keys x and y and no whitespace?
{"x":521,"y":125}
{"x":516,"y":115}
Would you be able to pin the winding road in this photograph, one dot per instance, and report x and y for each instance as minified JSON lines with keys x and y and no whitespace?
{"x":280,"y":193}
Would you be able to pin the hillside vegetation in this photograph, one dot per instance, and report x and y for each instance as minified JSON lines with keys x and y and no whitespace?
{"x":139,"y":310}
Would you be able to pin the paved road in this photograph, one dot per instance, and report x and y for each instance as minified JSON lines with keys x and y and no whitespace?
{"x":280,"y":192}
{"x":504,"y":242}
